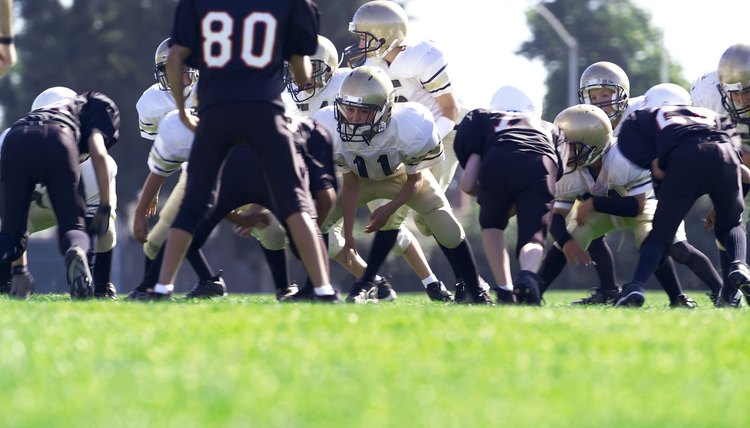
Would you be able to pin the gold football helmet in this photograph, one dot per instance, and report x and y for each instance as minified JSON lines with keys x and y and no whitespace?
{"x":605,"y":75}
{"x":381,"y":26}
{"x":160,"y":67}
{"x":734,"y":82}
{"x":588,"y":132}
{"x":363,"y":105}
{"x":324,"y":64}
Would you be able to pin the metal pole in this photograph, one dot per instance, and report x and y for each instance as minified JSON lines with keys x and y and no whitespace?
{"x":572,"y":45}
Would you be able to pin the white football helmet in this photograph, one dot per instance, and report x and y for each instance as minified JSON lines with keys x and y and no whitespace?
{"x":52,"y":95}
{"x":511,"y":98}
{"x":370,"y":91}
{"x":734,"y":82}
{"x":588,"y":131}
{"x":606,"y":75}
{"x":324,"y":64}
{"x":381,"y":25}
{"x":666,"y":94}
{"x":160,"y":68}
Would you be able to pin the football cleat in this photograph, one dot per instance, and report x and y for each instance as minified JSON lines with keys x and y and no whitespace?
{"x":78,"y":274}
{"x":5,"y":287}
{"x":21,"y":285}
{"x":482,"y":297}
{"x":739,"y":278}
{"x":383,"y":291}
{"x":527,"y":288}
{"x":715,"y":298}
{"x":460,"y":296}
{"x":437,"y":292}
{"x":360,"y":293}
{"x":599,"y":296}
{"x":632,"y":294}
{"x":305,"y":294}
{"x":730,"y":297}
{"x":331,"y":299}
{"x":505,"y":296}
{"x":683,"y":301}
{"x":206,"y":289}
{"x":287,"y":293}
{"x":105,"y":291}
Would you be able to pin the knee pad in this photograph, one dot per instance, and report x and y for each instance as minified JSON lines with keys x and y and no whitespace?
{"x":271,"y":237}
{"x":335,"y":240}
{"x":107,"y":241}
{"x":421,"y":224}
{"x":446,"y":228}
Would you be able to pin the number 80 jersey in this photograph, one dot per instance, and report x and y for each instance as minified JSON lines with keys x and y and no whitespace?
{"x":409,"y":143}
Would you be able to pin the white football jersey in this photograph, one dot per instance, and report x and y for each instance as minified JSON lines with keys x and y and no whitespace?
{"x":171,"y":147}
{"x":419,"y":74}
{"x":326,"y":97}
{"x":410,"y":142}
{"x":152,"y":106}
{"x":617,"y":175}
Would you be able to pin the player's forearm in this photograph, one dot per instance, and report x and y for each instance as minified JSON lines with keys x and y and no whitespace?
{"x":324,"y":201}
{"x":412,"y":186}
{"x":101,"y":170}
{"x":627,"y":206}
{"x":470,"y":178}
{"x":349,"y":199}
{"x":151,"y":188}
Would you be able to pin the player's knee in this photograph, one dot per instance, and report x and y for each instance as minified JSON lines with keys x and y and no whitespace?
{"x":446,"y":229}
{"x":403,"y":241}
{"x":272,"y":237}
{"x":108,"y":241}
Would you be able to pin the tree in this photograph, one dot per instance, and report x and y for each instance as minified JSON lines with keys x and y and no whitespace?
{"x":606,"y":30}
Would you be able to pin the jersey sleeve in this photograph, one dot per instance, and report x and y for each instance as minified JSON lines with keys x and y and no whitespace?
{"x":424,"y":148}
{"x":303,"y":37}
{"x":469,"y":137}
{"x":171,"y":147}
{"x":326,"y":120}
{"x":433,"y":74}
{"x":638,"y":147}
{"x":186,"y":31}
{"x":100,"y":113}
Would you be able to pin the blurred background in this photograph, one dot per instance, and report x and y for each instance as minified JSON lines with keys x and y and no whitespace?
{"x":540,"y":46}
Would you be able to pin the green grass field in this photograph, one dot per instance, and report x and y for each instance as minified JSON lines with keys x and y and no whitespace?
{"x":247,"y":361}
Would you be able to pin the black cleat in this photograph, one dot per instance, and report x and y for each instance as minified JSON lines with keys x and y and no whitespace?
{"x":683,"y":301}
{"x":739,"y":278}
{"x":287,"y":293}
{"x":505,"y":296}
{"x":715,"y":297}
{"x":5,"y":288}
{"x":105,"y":291}
{"x":460,"y":296}
{"x":21,"y":285}
{"x":206,"y":289}
{"x":527,"y":288}
{"x":730,"y":297}
{"x":383,"y":291}
{"x":305,"y":294}
{"x":482,"y":297}
{"x":437,"y":292}
{"x":331,"y":299}
{"x":78,"y":274}
{"x":599,"y":296}
{"x":360,"y":293}
{"x":632,"y":295}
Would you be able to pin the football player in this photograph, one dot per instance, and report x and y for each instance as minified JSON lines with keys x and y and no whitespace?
{"x":613,"y":193}
{"x":237,"y":85}
{"x":512,"y":158}
{"x":46,"y":146}
{"x":327,"y":77}
{"x":384,"y":150}
{"x":7,"y":47}
{"x":243,"y":183}
{"x":419,"y":72}
{"x":691,"y":151}
{"x":42,"y":217}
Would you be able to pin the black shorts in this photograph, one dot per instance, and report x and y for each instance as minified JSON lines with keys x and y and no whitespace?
{"x":263,"y":127}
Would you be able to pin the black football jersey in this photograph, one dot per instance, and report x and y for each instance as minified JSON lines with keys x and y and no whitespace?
{"x":483,"y":129}
{"x":649,"y":134}
{"x":316,"y":147}
{"x":239,"y":47}
{"x":83,"y":114}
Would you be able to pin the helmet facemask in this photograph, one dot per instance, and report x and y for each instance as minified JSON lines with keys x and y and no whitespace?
{"x":618,"y":101}
{"x":581,"y":155}
{"x":736,"y":101}
{"x":355,"y":55}
{"x":321,"y":75}
{"x":375,"y":122}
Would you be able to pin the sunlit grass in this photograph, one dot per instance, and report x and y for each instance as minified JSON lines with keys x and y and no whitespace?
{"x":247,"y":361}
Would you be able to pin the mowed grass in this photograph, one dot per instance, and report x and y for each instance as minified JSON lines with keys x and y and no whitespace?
{"x":247,"y":361}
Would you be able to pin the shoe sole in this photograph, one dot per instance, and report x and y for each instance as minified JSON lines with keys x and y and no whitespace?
{"x":633,"y":299}
{"x":79,"y":276}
